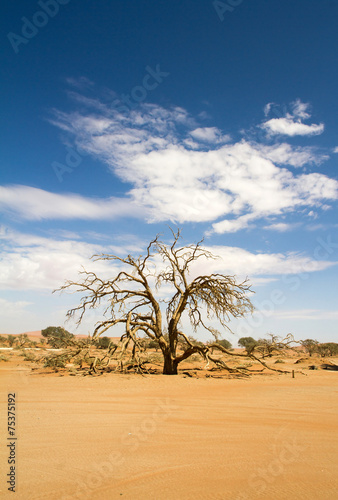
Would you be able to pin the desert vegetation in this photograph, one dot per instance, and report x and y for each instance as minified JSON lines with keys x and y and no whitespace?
{"x":61,"y":351}
{"x":153,"y":337}
{"x":131,"y":300}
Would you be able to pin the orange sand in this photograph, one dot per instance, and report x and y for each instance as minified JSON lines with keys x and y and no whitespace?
{"x":162,"y":438}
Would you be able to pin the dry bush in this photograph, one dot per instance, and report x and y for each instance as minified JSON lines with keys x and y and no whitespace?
{"x":29,"y":356}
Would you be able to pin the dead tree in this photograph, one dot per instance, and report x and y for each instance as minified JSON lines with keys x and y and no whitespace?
{"x":277,"y":345}
{"x":131,"y":298}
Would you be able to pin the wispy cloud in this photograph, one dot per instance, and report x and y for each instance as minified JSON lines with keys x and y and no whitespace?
{"x":310,"y":314}
{"x":281,"y":227}
{"x":209,"y":134}
{"x":234,"y":260}
{"x":30,"y":262}
{"x":81,"y":83}
{"x":36,"y":204}
{"x":284,"y":154}
{"x":180,"y":172}
{"x":13,"y":308}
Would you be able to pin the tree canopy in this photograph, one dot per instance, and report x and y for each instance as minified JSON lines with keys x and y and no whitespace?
{"x":131,"y":299}
{"x":57,"y":336}
{"x":310,"y":345}
{"x":248,"y":343}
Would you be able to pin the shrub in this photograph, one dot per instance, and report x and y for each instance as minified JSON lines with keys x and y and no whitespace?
{"x":327,"y":349}
{"x":310,"y":345}
{"x":11,"y":339}
{"x":29,"y":356}
{"x":153,"y":344}
{"x":248,"y":343}
{"x":58,"y":361}
{"x":224,"y":343}
{"x":103,"y":342}
{"x":57,"y":336}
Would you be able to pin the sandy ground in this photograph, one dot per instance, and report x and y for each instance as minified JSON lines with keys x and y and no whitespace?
{"x":159,"y":437}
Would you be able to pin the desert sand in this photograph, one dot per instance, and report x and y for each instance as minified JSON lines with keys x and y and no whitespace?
{"x":172,"y":437}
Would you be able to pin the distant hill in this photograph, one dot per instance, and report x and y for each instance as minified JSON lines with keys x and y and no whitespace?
{"x":37,"y":335}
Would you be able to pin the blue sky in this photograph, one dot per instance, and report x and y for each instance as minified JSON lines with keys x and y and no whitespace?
{"x":121,"y":118}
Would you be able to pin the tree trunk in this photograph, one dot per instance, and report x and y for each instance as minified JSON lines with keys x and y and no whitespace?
{"x":170,"y":366}
{"x":169,"y":353}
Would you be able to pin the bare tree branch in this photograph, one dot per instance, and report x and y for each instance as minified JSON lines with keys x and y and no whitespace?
{"x":130,"y":299}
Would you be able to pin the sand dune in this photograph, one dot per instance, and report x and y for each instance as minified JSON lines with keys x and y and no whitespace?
{"x":37,"y":334}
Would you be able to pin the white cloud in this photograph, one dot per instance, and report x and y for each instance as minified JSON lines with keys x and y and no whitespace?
{"x":291,"y":124}
{"x":33,"y":203}
{"x":17,"y":315}
{"x":234,"y":260}
{"x":183,"y":173}
{"x":287,"y":126}
{"x":300,"y":109}
{"x":209,"y":134}
{"x":31,"y":262}
{"x":232,"y":225}
{"x":284,"y":154}
{"x":281,"y":227}
{"x":268,"y":107}
{"x":80,"y":83}
{"x":307,"y":314}
{"x":12,"y":308}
